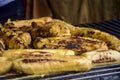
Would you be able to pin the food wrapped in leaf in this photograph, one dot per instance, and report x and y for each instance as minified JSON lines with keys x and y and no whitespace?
{"x":48,"y":65}
{"x":21,"y":53}
{"x":80,"y":44}
{"x":103,"y":57}
{"x":112,"y":41}
{"x":16,"y":39}
{"x":51,"y":29}
{"x":25,"y":23}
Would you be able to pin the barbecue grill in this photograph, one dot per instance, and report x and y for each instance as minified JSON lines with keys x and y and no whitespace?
{"x":108,"y":72}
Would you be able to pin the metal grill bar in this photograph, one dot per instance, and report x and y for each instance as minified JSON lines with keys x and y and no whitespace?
{"x":92,"y":74}
{"x":97,"y":73}
{"x":113,"y":25}
{"x":100,"y":76}
{"x":110,"y":27}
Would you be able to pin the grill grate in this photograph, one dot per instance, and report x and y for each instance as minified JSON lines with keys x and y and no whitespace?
{"x":98,"y":73}
{"x":112,"y":26}
{"x":109,"y":72}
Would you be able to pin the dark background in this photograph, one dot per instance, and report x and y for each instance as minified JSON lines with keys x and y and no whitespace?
{"x":72,"y":11}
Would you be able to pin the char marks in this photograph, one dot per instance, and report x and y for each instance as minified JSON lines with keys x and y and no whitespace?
{"x":41,"y":60}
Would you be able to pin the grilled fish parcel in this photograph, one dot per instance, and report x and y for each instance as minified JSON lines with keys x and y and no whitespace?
{"x":80,"y":44}
{"x":47,"y":65}
{"x":103,"y":57}
{"x":13,"y":54}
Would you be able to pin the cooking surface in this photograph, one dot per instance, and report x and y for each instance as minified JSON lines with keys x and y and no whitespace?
{"x":109,"y":72}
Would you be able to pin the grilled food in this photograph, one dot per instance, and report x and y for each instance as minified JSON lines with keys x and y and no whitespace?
{"x":103,"y":57}
{"x":2,"y":46}
{"x":25,"y":23}
{"x":48,"y":27}
{"x":15,"y":38}
{"x":51,"y":29}
{"x":112,"y":41}
{"x":42,"y":27}
{"x":80,"y":44}
{"x":5,"y":65}
{"x":47,"y":65}
{"x":61,"y":47}
{"x":21,"y":53}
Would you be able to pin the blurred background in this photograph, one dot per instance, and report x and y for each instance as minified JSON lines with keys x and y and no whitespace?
{"x":72,"y":11}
